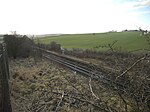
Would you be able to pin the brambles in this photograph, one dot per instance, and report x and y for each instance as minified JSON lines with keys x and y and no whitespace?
{"x":45,"y":87}
{"x":132,"y":71}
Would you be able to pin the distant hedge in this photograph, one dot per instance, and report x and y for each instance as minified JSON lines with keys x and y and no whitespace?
{"x":18,"y":45}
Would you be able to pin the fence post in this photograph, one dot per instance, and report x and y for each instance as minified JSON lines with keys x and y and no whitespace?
{"x":1,"y":101}
{"x":6,"y":105}
{"x":5,"y":57}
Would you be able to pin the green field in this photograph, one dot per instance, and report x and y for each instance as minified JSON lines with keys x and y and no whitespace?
{"x":126,"y":41}
{"x":1,"y":40}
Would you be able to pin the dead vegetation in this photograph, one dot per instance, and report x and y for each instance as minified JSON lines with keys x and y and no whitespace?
{"x":44,"y":87}
{"x":132,"y":71}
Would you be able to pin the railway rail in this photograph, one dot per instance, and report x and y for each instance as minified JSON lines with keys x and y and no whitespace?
{"x":83,"y":68}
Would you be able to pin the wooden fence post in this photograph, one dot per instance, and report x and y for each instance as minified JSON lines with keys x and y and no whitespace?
{"x":1,"y":104}
{"x":5,"y":57}
{"x":6,"y":105}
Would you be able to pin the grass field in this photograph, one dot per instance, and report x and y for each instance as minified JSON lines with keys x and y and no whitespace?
{"x":126,"y":41}
{"x":1,"y":39}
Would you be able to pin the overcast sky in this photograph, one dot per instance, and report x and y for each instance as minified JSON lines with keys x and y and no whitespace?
{"x":72,"y":16}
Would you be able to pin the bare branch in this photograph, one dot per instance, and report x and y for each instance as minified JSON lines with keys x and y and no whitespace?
{"x":62,"y":96}
{"x":90,"y":86}
{"x":83,"y":100}
{"x":124,"y":101}
{"x":130,"y":67}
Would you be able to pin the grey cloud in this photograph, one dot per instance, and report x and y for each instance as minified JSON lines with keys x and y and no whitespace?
{"x":142,"y":3}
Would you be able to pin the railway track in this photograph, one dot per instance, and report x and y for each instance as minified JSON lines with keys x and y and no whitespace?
{"x":79,"y":67}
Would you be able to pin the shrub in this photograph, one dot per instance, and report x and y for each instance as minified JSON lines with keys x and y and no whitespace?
{"x":18,"y":45}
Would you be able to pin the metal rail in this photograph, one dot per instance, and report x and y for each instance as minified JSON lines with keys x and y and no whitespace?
{"x":79,"y":67}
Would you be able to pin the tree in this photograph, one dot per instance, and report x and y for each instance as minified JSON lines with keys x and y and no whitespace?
{"x":145,"y":34}
{"x":17,"y":45}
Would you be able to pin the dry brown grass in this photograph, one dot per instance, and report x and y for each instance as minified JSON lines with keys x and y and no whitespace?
{"x":39,"y":88}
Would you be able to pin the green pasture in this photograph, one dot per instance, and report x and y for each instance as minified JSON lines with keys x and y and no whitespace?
{"x":1,"y":40}
{"x":125,"y":41}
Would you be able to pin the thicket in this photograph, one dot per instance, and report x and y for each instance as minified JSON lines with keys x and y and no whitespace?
{"x":53,"y":46}
{"x":18,"y":45}
{"x":129,"y":70}
{"x":45,"y":87}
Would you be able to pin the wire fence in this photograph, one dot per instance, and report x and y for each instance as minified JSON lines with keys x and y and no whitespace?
{"x":5,"y":104}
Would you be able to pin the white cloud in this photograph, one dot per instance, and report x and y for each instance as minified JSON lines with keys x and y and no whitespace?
{"x":142,"y":3}
{"x":134,"y":5}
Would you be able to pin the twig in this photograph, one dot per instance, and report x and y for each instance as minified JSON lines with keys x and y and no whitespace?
{"x":71,"y":83}
{"x":124,"y":101}
{"x":83,"y":100}
{"x":90,"y":86}
{"x":130,"y":67}
{"x":41,"y":106}
{"x":62,"y":96}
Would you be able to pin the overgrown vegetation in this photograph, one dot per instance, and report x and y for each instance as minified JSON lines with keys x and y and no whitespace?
{"x":18,"y":45}
{"x":53,"y":46}
{"x":130,"y":70}
{"x":43,"y":87}
{"x":47,"y":87}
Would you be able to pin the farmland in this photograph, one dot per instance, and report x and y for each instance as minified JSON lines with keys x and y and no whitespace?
{"x":1,"y":39}
{"x":125,"y":41}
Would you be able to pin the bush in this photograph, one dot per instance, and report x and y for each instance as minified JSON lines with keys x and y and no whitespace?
{"x":18,"y":45}
{"x":53,"y":46}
